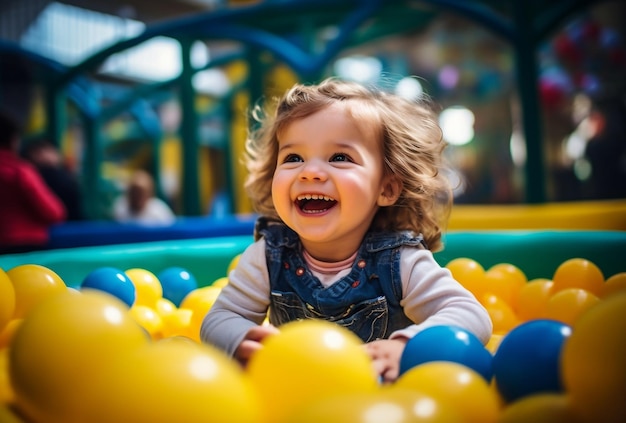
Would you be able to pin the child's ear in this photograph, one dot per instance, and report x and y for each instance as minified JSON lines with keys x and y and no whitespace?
{"x":391,"y":189}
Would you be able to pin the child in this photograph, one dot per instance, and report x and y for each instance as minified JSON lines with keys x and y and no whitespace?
{"x":350,"y":188}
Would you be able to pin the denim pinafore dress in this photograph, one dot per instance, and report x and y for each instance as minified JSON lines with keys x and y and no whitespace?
{"x":366,"y":301}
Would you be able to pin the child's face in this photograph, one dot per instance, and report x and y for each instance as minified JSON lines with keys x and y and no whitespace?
{"x":328,"y":182}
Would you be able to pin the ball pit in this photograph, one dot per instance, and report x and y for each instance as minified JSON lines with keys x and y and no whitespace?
{"x":139,"y":365}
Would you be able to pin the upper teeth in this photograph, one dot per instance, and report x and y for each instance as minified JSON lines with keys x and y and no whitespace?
{"x":315,"y":197}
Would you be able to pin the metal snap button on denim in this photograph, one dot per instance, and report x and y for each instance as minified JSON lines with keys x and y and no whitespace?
{"x":300,"y":271}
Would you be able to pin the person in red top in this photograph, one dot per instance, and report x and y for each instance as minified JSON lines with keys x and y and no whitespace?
{"x":27,"y":206}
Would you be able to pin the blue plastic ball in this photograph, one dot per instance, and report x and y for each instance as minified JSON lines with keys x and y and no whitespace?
{"x":528,"y":359}
{"x":111,"y":280}
{"x":447,"y":343}
{"x":177,"y":283}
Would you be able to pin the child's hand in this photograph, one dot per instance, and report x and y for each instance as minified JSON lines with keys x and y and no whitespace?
{"x":386,"y":354}
{"x":252,"y":342}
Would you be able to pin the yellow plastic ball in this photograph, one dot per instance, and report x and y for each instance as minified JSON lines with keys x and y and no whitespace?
{"x":220,"y":282}
{"x":578,"y":273}
{"x":199,"y":301}
{"x":200,"y":298}
{"x":569,"y":304}
{"x":592,"y":362}
{"x":165,"y":307}
{"x":505,"y":280}
{"x":389,"y":405}
{"x":233,"y":263}
{"x":33,"y":283}
{"x":7,"y":415}
{"x":320,"y":358}
{"x":148,"y":319}
{"x":468,"y":273}
{"x":61,"y":346}
{"x":511,"y":270}
{"x":532,"y":299}
{"x":148,"y":288}
{"x":539,"y":408}
{"x":7,"y":299}
{"x":466,"y":390}
{"x":179,"y":324}
{"x":175,"y":381}
{"x":613,"y":285}
{"x":501,"y":313}
{"x":171,"y":323}
{"x":494,"y":342}
{"x":6,"y":391}
{"x":6,"y":335}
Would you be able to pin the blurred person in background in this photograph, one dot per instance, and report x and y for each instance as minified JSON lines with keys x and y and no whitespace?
{"x":28,"y":206}
{"x":61,"y":180}
{"x":140,"y":205}
{"x":606,"y":150}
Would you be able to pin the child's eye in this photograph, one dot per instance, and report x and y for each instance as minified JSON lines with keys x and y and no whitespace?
{"x":292,"y":158}
{"x":340,"y":157}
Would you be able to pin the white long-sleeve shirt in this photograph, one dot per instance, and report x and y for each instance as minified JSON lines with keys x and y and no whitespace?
{"x":430,"y":297}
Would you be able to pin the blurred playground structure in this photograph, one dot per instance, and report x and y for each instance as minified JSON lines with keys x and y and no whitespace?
{"x":518,"y":83}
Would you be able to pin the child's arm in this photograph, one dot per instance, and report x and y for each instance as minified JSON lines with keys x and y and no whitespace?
{"x":432,"y":297}
{"x":242,"y":305}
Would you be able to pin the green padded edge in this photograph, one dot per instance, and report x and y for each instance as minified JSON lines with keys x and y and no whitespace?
{"x":536,"y":253}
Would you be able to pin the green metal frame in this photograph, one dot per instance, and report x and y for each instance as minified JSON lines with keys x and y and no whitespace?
{"x":287,"y":29}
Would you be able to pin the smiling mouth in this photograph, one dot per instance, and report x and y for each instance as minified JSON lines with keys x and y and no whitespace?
{"x":315,"y":203}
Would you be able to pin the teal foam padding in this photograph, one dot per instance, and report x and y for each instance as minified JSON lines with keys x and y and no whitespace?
{"x":536,"y":253}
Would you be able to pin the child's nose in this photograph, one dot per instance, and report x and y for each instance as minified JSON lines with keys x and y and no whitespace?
{"x":313,"y":171}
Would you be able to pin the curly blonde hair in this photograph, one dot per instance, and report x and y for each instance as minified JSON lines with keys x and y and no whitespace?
{"x":412,"y":146}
